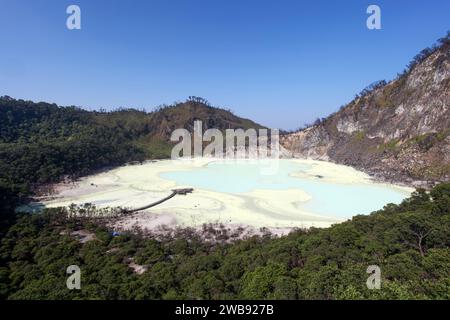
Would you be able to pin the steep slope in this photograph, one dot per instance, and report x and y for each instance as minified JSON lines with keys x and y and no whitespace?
{"x":396,"y":131}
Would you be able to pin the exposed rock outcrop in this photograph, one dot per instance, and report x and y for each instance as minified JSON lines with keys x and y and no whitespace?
{"x":397,"y":131}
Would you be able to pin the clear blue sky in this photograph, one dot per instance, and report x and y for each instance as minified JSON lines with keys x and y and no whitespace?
{"x":281,"y":63}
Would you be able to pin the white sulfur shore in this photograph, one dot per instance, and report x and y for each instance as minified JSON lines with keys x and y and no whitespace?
{"x":134,"y":186}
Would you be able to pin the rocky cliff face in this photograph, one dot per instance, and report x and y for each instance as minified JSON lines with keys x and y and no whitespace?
{"x":397,"y":131}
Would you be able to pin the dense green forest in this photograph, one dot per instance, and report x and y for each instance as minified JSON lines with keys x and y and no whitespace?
{"x":43,"y":143}
{"x":409,"y":242}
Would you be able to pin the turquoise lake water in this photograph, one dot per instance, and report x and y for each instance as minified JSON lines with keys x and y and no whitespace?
{"x":328,"y":199}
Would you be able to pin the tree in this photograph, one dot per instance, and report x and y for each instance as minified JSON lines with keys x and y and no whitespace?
{"x":414,"y":230}
{"x":441,"y":199}
{"x":259,"y":284}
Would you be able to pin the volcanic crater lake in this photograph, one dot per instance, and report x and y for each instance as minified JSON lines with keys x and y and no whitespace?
{"x":327,"y":198}
{"x":281,"y":194}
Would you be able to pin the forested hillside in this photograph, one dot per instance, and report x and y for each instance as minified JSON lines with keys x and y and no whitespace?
{"x":409,"y":242}
{"x":399,"y":129}
{"x":41,"y":143}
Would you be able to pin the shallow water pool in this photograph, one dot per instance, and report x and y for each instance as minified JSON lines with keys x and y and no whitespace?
{"x":342,"y":200}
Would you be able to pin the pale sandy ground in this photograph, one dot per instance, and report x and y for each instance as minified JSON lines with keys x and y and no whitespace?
{"x":139,"y":185}
{"x":335,"y":173}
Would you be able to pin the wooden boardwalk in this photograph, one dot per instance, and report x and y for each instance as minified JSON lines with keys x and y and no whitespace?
{"x":173,"y":194}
